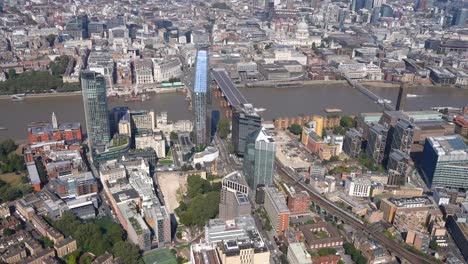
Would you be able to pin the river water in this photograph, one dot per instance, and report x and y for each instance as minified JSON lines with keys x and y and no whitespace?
{"x":278,"y":102}
{"x":17,"y":115}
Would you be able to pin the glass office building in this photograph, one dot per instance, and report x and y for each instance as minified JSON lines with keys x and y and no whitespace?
{"x":95,"y":105}
{"x":259,"y":159}
{"x":445,"y":161}
{"x":200,"y":97}
{"x":245,"y":120}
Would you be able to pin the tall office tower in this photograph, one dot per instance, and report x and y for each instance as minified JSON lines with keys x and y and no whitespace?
{"x":352,"y":143}
{"x":460,"y":17}
{"x":386,"y":10}
{"x":93,"y":86}
{"x":376,"y":143}
{"x":200,"y":96}
{"x":259,"y":159}
{"x":445,"y":161}
{"x":245,"y":120}
{"x":402,"y":93}
{"x":403,"y":136}
{"x":234,"y":201}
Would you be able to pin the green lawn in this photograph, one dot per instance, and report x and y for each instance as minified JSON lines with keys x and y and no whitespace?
{"x":166,"y":162}
{"x":161,"y":256}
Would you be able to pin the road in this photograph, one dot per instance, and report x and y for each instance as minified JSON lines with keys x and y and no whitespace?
{"x":353,"y":221}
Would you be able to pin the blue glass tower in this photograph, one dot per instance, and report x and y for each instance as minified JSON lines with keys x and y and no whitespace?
{"x":200,"y":97}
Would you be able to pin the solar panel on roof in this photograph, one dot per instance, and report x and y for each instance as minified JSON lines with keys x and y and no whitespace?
{"x":457,"y":144}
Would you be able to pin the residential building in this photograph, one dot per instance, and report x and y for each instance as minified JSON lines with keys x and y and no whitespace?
{"x":330,"y":236}
{"x":298,"y":202}
{"x":245,"y":120}
{"x":377,"y":143}
{"x":445,"y":161}
{"x":403,"y":136}
{"x":93,"y":86}
{"x":398,"y":161}
{"x":65,"y":247}
{"x":200,"y":98}
{"x":408,"y":213}
{"x":352,"y":143}
{"x":461,"y":125}
{"x":277,"y":209}
{"x":418,"y":240}
{"x":259,"y":159}
{"x":75,"y":185}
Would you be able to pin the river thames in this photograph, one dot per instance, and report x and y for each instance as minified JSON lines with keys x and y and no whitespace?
{"x":311,"y":99}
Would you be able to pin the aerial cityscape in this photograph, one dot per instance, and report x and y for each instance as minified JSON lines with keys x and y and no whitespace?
{"x":234,"y":132}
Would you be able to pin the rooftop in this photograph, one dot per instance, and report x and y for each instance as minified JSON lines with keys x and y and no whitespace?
{"x":278,"y":198}
{"x":449,"y":145}
{"x":417,"y":201}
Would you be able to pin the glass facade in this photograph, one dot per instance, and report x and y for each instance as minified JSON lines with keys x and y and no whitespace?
{"x":244,"y":121}
{"x":259,"y":159}
{"x":445,"y":161}
{"x":95,"y":105}
{"x":200,"y":98}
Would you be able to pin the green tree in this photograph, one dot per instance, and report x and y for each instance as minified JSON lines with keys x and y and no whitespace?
{"x":314,"y":47}
{"x":224,"y":128}
{"x":174,"y":136}
{"x":127,"y":252}
{"x":45,"y":242}
{"x":433,"y":245}
{"x":347,"y":122}
{"x":326,"y":251}
{"x":12,"y":74}
{"x":51,"y":39}
{"x":295,"y":129}
{"x":7,"y":232}
{"x":230,"y":147}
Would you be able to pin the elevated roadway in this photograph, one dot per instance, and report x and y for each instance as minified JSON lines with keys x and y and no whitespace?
{"x":228,"y":88}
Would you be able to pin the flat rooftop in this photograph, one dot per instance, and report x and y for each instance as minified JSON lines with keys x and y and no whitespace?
{"x":449,"y":145}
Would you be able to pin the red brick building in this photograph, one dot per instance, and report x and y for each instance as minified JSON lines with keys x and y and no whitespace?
{"x":461,"y":125}
{"x":299,"y":202}
{"x":69,"y":132}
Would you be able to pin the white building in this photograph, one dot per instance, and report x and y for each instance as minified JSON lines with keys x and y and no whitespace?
{"x":301,"y":37}
{"x":143,"y":71}
{"x":164,"y":70}
{"x":152,"y":140}
{"x":360,"y":187}
{"x":361,"y":71}
{"x":285,"y":53}
{"x":209,"y":155}
{"x":297,"y":254}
